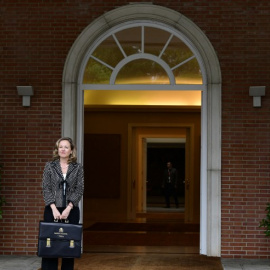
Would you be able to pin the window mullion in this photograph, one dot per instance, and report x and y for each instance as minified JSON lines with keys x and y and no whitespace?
{"x":142,"y":40}
{"x":182,"y":63}
{"x":119,"y":45}
{"x":102,"y":62}
{"x":166,"y":45}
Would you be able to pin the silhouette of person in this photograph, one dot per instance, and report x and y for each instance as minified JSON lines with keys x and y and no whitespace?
{"x":169,"y":184}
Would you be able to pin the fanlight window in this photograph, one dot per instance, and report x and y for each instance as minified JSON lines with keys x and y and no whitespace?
{"x":142,"y":55}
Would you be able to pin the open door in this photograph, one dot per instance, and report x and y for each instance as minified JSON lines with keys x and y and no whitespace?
{"x":141,"y":176}
{"x":144,"y":174}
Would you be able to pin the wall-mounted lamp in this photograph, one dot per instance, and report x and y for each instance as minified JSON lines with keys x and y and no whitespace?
{"x":26,"y":92}
{"x":257,"y":92}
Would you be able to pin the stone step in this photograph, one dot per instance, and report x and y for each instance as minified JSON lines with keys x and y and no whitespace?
{"x":141,"y":238}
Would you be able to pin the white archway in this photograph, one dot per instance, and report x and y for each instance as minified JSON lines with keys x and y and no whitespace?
{"x":72,"y":113}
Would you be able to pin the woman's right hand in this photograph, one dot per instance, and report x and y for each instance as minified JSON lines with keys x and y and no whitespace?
{"x":55,"y":212}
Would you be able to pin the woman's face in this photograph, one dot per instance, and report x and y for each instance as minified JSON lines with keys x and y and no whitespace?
{"x":64,"y":149}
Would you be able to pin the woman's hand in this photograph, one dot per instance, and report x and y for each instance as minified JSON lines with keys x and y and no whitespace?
{"x":55,"y":212}
{"x":65,"y":213}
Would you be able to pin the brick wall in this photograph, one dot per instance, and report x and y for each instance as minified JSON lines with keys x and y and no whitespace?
{"x":35,"y":38}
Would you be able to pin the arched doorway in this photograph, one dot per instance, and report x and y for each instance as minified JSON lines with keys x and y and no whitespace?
{"x":211,"y":99}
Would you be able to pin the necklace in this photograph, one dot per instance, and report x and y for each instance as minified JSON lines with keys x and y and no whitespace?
{"x":64,"y":167}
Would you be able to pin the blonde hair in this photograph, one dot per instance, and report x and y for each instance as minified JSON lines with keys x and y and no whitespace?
{"x":72,"y":156}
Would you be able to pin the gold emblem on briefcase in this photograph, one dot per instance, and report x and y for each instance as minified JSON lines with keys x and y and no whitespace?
{"x":60,"y":232}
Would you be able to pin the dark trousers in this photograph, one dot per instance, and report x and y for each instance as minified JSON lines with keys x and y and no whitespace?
{"x":170,"y":190}
{"x":67,"y":263}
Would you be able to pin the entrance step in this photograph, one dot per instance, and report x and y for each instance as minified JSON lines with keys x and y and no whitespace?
{"x":162,"y":216}
{"x":145,"y":227}
{"x":140,"y":238}
{"x":142,"y":234}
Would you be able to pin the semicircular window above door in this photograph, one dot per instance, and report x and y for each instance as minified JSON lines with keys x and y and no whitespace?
{"x":143,"y":54}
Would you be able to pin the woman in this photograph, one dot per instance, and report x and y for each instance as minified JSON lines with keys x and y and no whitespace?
{"x":63,"y":185}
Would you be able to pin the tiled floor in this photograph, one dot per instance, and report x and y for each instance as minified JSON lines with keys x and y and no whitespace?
{"x":33,"y":263}
{"x":121,"y":261}
{"x":245,"y":264}
{"x":19,"y":263}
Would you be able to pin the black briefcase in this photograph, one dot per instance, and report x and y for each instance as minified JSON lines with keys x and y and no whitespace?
{"x":59,"y":240}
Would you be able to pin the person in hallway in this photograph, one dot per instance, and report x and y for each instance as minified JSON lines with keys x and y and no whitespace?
{"x":169,"y":184}
{"x":63,"y":186}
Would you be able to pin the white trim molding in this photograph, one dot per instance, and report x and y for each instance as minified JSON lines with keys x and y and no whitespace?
{"x":210,"y":221}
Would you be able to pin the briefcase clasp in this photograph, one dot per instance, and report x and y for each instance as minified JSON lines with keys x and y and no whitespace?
{"x":48,"y":242}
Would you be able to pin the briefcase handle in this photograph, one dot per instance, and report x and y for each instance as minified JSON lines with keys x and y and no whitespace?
{"x":61,"y":220}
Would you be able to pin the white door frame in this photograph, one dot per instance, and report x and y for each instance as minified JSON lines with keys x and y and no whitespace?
{"x":72,"y":111}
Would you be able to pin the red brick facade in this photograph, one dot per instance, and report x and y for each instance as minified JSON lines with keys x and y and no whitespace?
{"x":35,"y":39}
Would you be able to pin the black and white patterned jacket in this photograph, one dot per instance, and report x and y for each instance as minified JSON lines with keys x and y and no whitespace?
{"x":53,"y":180}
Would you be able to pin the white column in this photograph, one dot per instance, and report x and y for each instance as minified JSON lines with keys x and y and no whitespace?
{"x":214,"y":170}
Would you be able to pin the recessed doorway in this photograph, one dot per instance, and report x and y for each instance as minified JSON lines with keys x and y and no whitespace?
{"x":74,"y":86}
